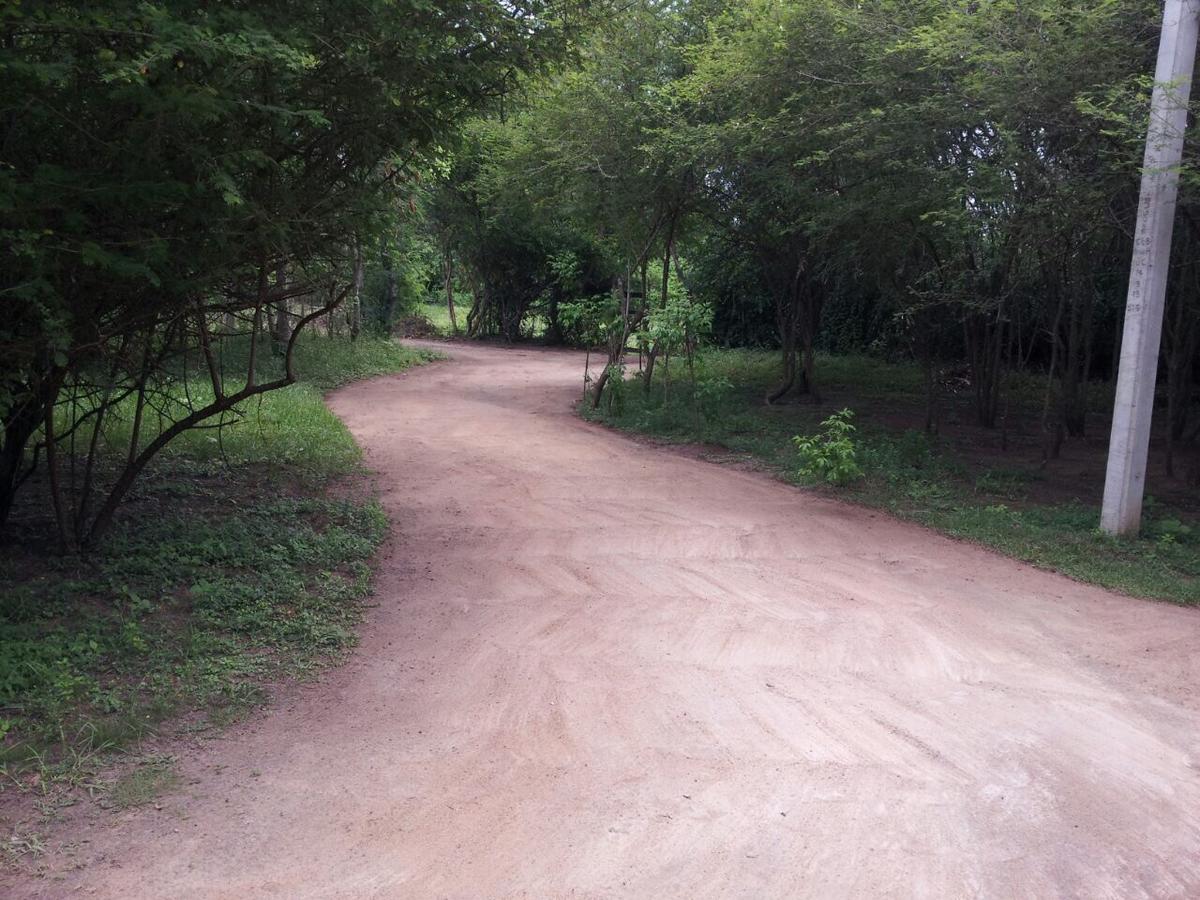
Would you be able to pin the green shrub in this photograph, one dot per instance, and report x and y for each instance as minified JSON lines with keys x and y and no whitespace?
{"x":712,"y":392}
{"x":830,"y":455}
{"x":615,"y":388}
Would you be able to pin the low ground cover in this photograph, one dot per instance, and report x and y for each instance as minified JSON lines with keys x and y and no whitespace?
{"x":985,"y":485}
{"x":240,"y":560}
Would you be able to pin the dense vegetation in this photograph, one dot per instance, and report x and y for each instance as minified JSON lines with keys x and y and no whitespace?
{"x":234,"y":562}
{"x":187,"y":187}
{"x":949,"y":183}
{"x":199,"y":203}
{"x":177,"y":178}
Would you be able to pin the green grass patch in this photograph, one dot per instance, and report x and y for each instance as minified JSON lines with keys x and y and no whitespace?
{"x":150,"y":778}
{"x":438,"y":315}
{"x":927,"y":480}
{"x":290,"y":427}
{"x":216,"y":588}
{"x":231,"y":566}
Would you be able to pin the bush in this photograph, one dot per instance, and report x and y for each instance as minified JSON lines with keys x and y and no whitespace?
{"x":830,"y":455}
{"x":712,"y":392}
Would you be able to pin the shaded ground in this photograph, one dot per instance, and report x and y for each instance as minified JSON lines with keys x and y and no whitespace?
{"x":602,"y":669}
{"x":892,"y":397}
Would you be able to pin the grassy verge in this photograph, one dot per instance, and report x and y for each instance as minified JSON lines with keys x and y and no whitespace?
{"x":233,"y":565}
{"x":1007,"y":502}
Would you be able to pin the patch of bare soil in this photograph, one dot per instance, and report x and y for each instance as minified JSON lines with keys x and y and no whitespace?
{"x":598,"y":669}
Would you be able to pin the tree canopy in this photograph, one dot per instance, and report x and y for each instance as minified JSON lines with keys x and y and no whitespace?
{"x":950,"y":181}
{"x":174,"y":176}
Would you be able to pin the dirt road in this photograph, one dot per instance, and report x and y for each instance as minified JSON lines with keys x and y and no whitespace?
{"x":601,"y":669}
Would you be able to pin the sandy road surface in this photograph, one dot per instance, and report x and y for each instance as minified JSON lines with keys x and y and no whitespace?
{"x":600,"y":669}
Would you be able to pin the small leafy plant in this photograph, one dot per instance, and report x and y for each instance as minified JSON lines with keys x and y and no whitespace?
{"x":616,"y":388}
{"x":830,"y":455}
{"x":711,"y":393}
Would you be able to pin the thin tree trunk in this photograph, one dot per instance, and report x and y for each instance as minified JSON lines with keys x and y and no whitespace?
{"x":448,"y":269}
{"x":356,"y":297}
{"x":19,"y":427}
{"x":1051,"y":446}
{"x":388,"y":307}
{"x":50,"y":438}
{"x":279,"y":334}
{"x":652,"y":351}
{"x":789,"y":367}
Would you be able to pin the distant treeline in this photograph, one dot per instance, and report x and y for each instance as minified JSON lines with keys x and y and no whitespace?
{"x":955,"y":182}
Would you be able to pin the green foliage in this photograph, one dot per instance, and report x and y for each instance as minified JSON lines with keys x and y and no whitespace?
{"x":401,"y":275}
{"x":178,"y":612}
{"x":230,"y":570}
{"x":1170,"y":530}
{"x":712,"y":393}
{"x":950,"y":182}
{"x":830,"y":455}
{"x":591,"y":320}
{"x":175,"y":172}
{"x":678,"y":324}
{"x":921,"y":478}
{"x":566,"y":195}
{"x":616,"y":389}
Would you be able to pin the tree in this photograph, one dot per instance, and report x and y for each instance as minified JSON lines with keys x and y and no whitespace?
{"x":163,"y":161}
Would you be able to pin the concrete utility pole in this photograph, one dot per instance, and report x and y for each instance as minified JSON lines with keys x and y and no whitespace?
{"x":1125,"y":480}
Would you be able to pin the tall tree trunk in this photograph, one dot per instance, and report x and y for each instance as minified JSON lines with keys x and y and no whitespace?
{"x":788,"y":312}
{"x":1179,"y":351}
{"x":448,"y":272}
{"x":984,"y":342}
{"x":1077,"y":363}
{"x":355,"y":316}
{"x":1052,"y":432}
{"x":617,"y":340}
{"x":20,"y":424}
{"x":788,"y":351}
{"x":809,"y":319}
{"x":653,"y":350}
{"x":930,"y":394}
{"x":387,"y":308}
{"x":281,"y":329}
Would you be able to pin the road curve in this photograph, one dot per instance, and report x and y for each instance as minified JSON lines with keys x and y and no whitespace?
{"x":600,"y":669}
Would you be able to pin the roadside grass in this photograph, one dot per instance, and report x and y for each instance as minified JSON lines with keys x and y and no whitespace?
{"x":235,"y":563}
{"x":930,"y":480}
{"x":291,"y":426}
{"x":150,"y":778}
